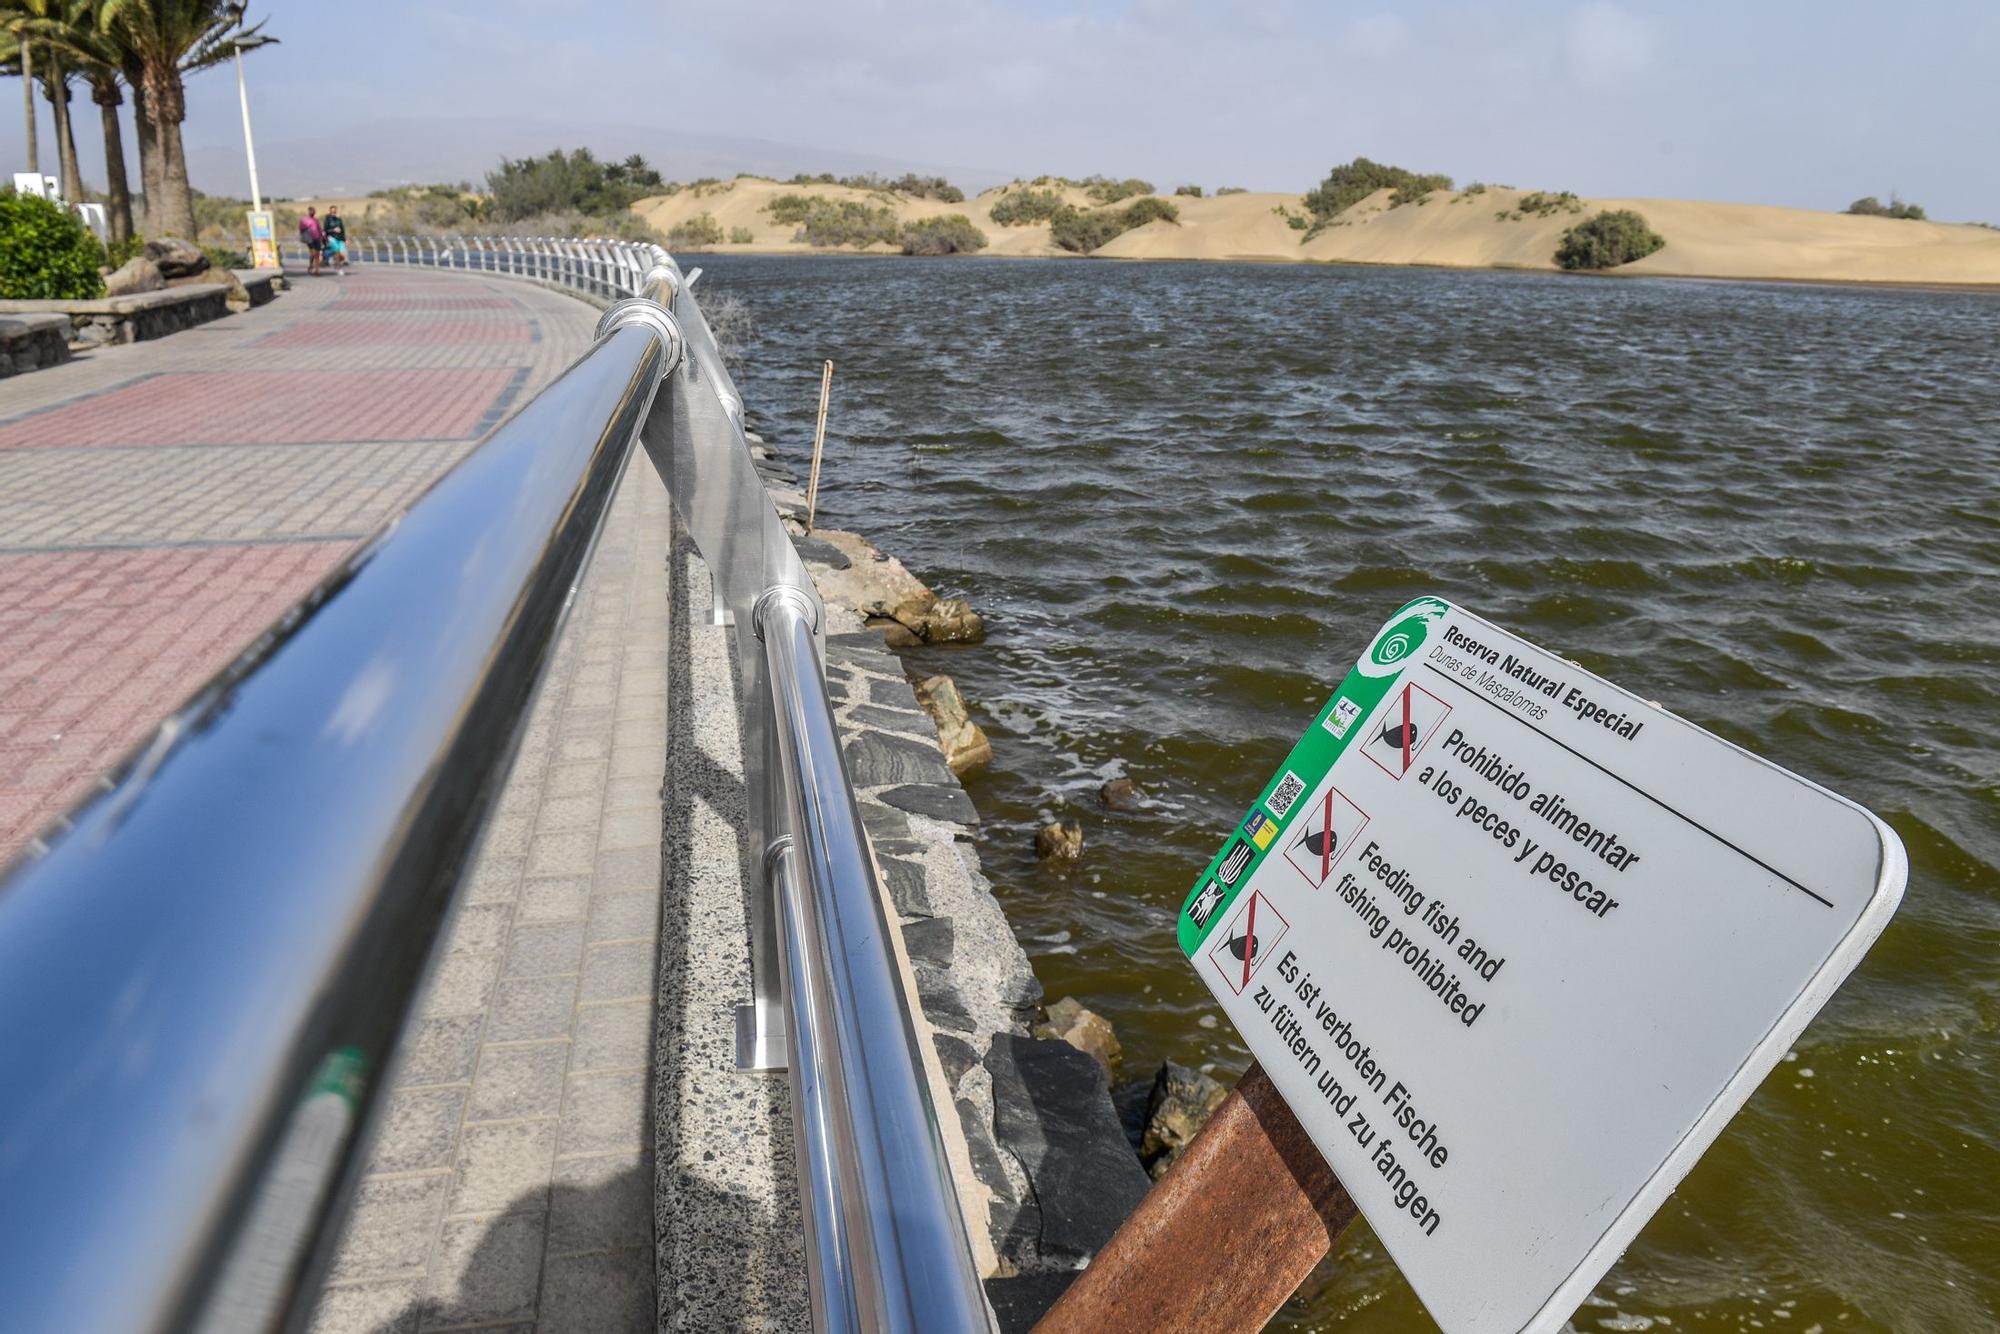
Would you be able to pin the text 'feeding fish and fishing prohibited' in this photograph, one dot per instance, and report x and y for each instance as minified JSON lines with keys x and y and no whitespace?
{"x":1515,"y":944}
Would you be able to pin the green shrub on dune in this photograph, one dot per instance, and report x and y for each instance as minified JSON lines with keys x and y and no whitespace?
{"x":835,"y":222}
{"x":1352,"y":182}
{"x":1607,"y":240}
{"x":1084,"y":230}
{"x":1868,"y":206}
{"x":952,"y":234}
{"x":696,"y":233}
{"x":1104,"y":190}
{"x":1024,"y":208}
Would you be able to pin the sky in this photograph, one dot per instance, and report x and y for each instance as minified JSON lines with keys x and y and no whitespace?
{"x":1810,"y":104}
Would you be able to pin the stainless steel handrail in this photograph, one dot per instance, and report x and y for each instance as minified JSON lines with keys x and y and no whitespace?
{"x":868,"y":1133}
{"x":603,"y":269}
{"x":204,"y":967}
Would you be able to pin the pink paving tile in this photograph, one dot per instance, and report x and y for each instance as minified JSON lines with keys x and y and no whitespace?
{"x":269,"y":407}
{"x":365,"y":332}
{"x":93,"y":684}
{"x":434,"y":298}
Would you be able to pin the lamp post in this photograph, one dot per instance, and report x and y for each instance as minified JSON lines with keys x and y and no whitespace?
{"x":241,"y":45}
{"x":263,"y":237}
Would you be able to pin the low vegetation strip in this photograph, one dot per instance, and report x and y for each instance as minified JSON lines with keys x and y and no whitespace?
{"x":1868,"y":206}
{"x":1024,"y":208}
{"x":1084,"y":230}
{"x":1352,"y":182}
{"x":1607,"y":240}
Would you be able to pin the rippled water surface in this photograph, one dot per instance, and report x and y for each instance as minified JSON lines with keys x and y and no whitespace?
{"x":1185,"y":495}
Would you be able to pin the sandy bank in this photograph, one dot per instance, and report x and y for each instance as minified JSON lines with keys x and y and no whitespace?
{"x":1450,"y":228}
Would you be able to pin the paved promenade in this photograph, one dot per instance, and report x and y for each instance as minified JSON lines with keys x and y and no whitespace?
{"x":159,"y":505}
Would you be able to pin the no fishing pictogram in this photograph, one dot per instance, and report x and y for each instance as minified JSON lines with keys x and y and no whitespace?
{"x":1413,"y":716}
{"x":1322,"y":834}
{"x":1246,"y":940}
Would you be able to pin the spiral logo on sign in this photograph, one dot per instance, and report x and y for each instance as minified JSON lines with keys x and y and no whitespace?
{"x":1401,"y":637}
{"x":1393,"y":649}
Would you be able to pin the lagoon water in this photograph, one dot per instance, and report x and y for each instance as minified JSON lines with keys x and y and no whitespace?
{"x":1185,"y":495}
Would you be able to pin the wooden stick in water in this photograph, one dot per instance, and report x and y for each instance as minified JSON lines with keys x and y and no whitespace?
{"x":819,"y":440}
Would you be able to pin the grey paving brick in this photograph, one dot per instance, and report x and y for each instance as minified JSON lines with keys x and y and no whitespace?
{"x":518,"y":1082}
{"x":442,"y":1050}
{"x":632,"y":759}
{"x":393,"y":1225}
{"x":584,"y":746}
{"x":463,"y":984}
{"x":601,"y":1203}
{"x":599,"y":1294}
{"x":612,"y":1037}
{"x":618,"y":970}
{"x":562,"y":852}
{"x":604,"y":1113}
{"x":532,"y":1009}
{"x":579,"y":812}
{"x":369,"y":1308}
{"x":553,"y":899}
{"x":632,"y":794}
{"x":503,"y":1166}
{"x":575,"y":780}
{"x":485,"y":1270}
{"x":623,"y":916}
{"x":418,"y":1130}
{"x":542,"y":948}
{"x":628,"y":870}
{"x":629,"y":829}
{"x":479,"y":928}
{"x":495,"y":879}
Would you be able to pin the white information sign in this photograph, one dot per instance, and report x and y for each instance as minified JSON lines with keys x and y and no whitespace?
{"x":1515,"y":944}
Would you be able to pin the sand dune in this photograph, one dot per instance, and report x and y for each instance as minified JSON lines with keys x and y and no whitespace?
{"x":1454,"y":229}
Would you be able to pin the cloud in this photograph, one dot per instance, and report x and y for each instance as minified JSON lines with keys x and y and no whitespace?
{"x":1605,"y":44}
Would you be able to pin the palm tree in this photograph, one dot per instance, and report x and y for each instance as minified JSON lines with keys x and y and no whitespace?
{"x":74,"y":32}
{"x":37,"y":27}
{"x":160,"y":41}
{"x":18,"y":57}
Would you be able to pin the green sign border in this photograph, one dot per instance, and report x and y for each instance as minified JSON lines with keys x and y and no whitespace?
{"x":1371,"y":679}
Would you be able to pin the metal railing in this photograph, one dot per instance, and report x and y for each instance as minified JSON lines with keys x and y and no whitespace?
{"x":206,"y":964}
{"x":600,"y":267}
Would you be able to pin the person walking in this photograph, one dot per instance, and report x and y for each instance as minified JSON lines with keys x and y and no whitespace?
{"x":313,"y":236}
{"x":336,"y":239}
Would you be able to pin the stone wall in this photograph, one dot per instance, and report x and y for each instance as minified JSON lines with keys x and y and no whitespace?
{"x":30,"y":342}
{"x":1054,"y":1165}
{"x":133,"y":319}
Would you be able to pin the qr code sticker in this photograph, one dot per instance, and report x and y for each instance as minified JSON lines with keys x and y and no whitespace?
{"x":1285,"y":794}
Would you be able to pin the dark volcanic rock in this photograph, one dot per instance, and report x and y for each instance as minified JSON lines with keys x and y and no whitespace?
{"x":929,"y":942}
{"x":938,"y":802}
{"x":1053,"y":1113}
{"x":1019,"y":1302}
{"x":906,"y":886}
{"x":957,"y":1056}
{"x":824,"y":553}
{"x":874,"y":760}
{"x":913,"y":721}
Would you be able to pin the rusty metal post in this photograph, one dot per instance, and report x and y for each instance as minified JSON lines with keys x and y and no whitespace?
{"x":1224,"y":1238}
